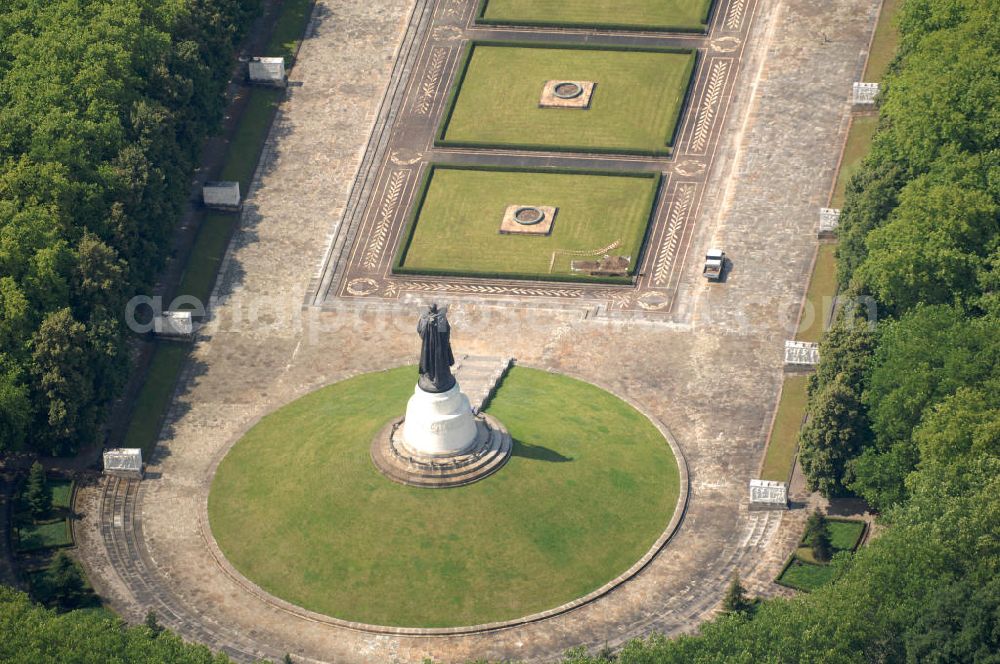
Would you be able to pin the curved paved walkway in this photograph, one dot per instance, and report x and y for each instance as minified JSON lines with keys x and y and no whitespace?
{"x":711,"y":372}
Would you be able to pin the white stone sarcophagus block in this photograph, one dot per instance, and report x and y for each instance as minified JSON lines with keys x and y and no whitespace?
{"x":177,"y":324}
{"x":801,"y":354}
{"x":767,"y":494}
{"x":829,"y":219}
{"x":223,"y":195}
{"x":267,"y":71}
{"x":864,"y":94}
{"x":125,"y":462}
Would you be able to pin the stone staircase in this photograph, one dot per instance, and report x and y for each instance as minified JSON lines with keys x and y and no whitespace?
{"x":479,"y":376}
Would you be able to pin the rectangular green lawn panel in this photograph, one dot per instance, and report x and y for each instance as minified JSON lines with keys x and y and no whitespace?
{"x":44,"y":536}
{"x":668,"y":15}
{"x":62,"y":491}
{"x":635,"y":107}
{"x":806,"y":576}
{"x":785,"y":434}
{"x":456,"y":226}
{"x":845,"y":534}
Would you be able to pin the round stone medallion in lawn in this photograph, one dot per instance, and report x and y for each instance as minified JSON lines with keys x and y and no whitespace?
{"x":567,"y":90}
{"x":528,"y":216}
{"x":299,"y":509}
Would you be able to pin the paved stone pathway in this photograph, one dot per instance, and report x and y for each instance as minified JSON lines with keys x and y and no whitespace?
{"x":709,"y":370}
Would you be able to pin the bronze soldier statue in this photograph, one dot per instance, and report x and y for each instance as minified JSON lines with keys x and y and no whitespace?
{"x":436,"y":357}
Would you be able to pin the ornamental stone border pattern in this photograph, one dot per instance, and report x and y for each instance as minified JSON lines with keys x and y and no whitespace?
{"x":249,"y":586}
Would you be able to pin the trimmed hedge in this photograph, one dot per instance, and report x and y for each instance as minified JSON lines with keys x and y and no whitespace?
{"x":466,"y":59}
{"x":408,"y":230}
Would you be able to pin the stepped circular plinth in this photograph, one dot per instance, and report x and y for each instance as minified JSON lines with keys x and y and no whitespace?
{"x":401,"y":463}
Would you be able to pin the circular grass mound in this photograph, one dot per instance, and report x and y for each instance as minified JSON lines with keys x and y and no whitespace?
{"x":298,"y":507}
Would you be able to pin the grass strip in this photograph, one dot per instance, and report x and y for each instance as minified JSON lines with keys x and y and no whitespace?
{"x":845,"y":535}
{"x":151,"y":405}
{"x":884,"y":42}
{"x":805,"y":576}
{"x":819,"y":296}
{"x":289,"y":29}
{"x":216,"y":230}
{"x":62,"y":491}
{"x":784,"y":438}
{"x":859,"y":141}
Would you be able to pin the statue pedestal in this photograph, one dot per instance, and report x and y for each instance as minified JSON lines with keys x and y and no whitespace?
{"x":440,"y":443}
{"x":439,"y":424}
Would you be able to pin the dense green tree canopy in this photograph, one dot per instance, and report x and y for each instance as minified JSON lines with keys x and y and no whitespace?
{"x":34,"y":635}
{"x":922,"y":358}
{"x":104,"y":105}
{"x":920,"y":236}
